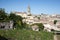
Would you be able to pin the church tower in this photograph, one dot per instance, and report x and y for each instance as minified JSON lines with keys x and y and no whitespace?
{"x":28,"y":10}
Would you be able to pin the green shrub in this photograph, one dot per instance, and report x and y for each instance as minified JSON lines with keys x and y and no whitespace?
{"x":18,"y":34}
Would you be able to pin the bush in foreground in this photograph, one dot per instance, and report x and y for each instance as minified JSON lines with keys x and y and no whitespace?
{"x":26,"y":35}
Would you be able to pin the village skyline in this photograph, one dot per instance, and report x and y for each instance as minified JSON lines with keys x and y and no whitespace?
{"x":37,"y":6}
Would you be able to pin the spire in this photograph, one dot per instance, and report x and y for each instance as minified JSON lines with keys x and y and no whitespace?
{"x":28,"y":10}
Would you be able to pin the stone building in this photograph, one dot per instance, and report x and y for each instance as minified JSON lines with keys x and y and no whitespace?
{"x":35,"y":28}
{"x":6,"y":25}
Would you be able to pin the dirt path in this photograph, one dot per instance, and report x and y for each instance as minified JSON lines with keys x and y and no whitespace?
{"x":55,"y":37}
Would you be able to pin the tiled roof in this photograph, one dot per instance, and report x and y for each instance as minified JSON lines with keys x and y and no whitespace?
{"x":21,"y":12}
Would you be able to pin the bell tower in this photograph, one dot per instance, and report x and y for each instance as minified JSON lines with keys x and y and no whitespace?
{"x":28,"y":10}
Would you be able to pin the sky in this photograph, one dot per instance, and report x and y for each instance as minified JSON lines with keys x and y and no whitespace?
{"x":37,"y":6}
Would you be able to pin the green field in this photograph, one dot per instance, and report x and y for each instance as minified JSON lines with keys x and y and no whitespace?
{"x":26,"y":35}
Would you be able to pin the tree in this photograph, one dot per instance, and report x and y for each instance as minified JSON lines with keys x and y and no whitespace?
{"x":26,"y":26}
{"x":3,"y":14}
{"x":12,"y":17}
{"x":38,"y":18}
{"x":17,"y":20}
{"x":2,"y":10}
{"x":41,"y":27}
{"x":55,"y":21}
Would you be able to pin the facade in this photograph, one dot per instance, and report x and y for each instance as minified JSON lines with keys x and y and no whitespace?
{"x":23,"y":14}
{"x":35,"y":28}
{"x":6,"y":25}
{"x":49,"y":27}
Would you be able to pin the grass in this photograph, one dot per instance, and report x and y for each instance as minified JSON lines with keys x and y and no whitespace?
{"x":26,"y":35}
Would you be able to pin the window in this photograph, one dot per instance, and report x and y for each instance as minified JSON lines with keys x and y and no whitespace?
{"x":2,"y":27}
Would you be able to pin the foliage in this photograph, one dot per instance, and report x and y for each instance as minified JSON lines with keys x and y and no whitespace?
{"x":40,"y":25}
{"x":38,"y":18}
{"x":17,"y":20}
{"x":26,"y":26}
{"x":55,"y":21}
{"x":3,"y":15}
{"x":26,"y":35}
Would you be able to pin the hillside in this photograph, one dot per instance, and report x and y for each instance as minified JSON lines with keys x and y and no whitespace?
{"x":26,"y":35}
